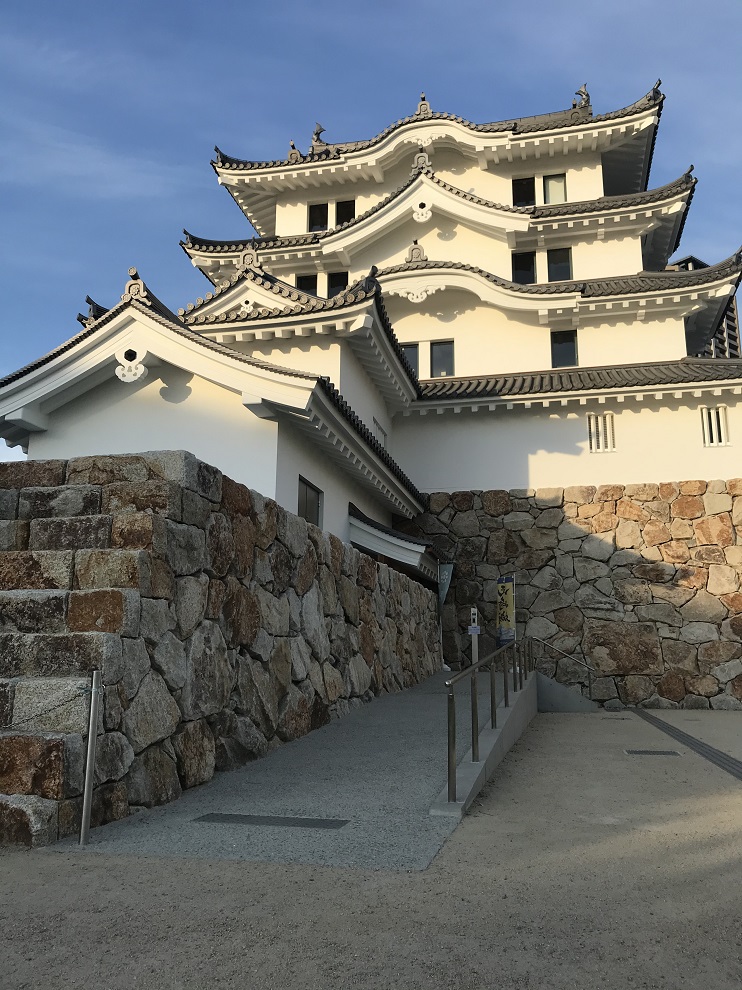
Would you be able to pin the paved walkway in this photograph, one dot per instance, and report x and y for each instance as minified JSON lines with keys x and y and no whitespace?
{"x":378,"y":770}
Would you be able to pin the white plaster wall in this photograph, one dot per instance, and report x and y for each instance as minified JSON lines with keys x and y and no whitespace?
{"x":297,"y":456}
{"x":601,"y":259}
{"x":631,"y":342}
{"x":534,"y":448}
{"x":173,"y":412}
{"x":360,"y":392}
{"x":316,"y":356}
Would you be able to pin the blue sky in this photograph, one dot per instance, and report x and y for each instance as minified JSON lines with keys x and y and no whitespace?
{"x":110,"y":114}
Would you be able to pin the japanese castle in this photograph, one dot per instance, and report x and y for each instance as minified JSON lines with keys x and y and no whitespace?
{"x":445,"y":306}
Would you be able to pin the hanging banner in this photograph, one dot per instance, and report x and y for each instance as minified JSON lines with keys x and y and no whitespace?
{"x":505,"y":610}
{"x":445,"y":572}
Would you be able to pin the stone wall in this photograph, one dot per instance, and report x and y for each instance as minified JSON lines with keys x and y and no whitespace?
{"x":642,"y":581}
{"x":224,"y":626}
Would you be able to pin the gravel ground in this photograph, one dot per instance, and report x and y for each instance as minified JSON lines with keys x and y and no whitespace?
{"x":579,"y":867}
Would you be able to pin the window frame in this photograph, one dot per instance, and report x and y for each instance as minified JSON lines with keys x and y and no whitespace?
{"x":342,"y":288}
{"x":553,"y":175}
{"x":549,"y":253}
{"x":564,"y":333}
{"x":344,"y":202}
{"x":435,"y":344}
{"x":315,"y":228}
{"x":310,"y":275}
{"x":522,"y":179}
{"x":304,"y":487}
{"x":523,"y":254}
{"x":415,"y":365}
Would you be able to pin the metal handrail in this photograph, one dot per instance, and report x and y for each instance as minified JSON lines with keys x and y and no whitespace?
{"x":522,"y":667}
{"x":583,"y":663}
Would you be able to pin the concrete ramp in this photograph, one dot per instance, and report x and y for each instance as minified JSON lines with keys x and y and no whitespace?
{"x":555,"y":697}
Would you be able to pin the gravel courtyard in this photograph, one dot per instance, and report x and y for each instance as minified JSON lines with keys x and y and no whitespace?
{"x":580,"y":866}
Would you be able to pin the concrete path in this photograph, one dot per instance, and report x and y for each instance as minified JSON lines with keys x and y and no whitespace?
{"x":579,"y":867}
{"x":378,"y":770}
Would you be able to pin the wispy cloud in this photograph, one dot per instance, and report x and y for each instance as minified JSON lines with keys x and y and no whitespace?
{"x":39,"y":154}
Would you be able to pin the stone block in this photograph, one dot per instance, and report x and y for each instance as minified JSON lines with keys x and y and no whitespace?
{"x":703,"y":607}
{"x":702,"y":684}
{"x":632,"y":592}
{"x":580,"y":494}
{"x":295,"y":715}
{"x":186,"y":548}
{"x":675,"y":552}
{"x":726,"y":672}
{"x":63,"y":502}
{"x":191,"y":598}
{"x":599,"y":546}
{"x":715,"y":529}
{"x":48,"y":765}
{"x":47,"y":655}
{"x":516,"y":521}
{"x":549,"y":497}
{"x":113,"y":757}
{"x":139,"y":531}
{"x":699,"y":632}
{"x":691,"y":577}
{"x":134,"y":665}
{"x":266,"y":523}
{"x":243,"y":530}
{"x":495,"y":502}
{"x":153,"y":779}
{"x":663,"y":612}
{"x":306,"y":571}
{"x":241,"y":613}
{"x":733,"y":602}
{"x":718,"y":652}
{"x":14,"y":534}
{"x":236,"y":740}
{"x":159,"y":498}
{"x":692,"y":487}
{"x":628,"y":535}
{"x":604,"y":522}
{"x":111,"y":610}
{"x":112,"y":569}
{"x":152,"y":715}
{"x":438,"y":501}
{"x":503,"y":546}
{"x":31,"y":474}
{"x":219,"y":544}
{"x":8,"y":504}
{"x":541,"y":628}
{"x":209,"y":680}
{"x":26,"y":820}
{"x":157,"y":618}
{"x":732,"y":628}
{"x":642,"y":493}
{"x":256,"y":695}
{"x":726,"y":703}
{"x":52,"y":704}
{"x":195,"y":510}
{"x":33,"y":611}
{"x":313,"y":624}
{"x":655,"y":572}
{"x":687,"y":507}
{"x":109,"y":804}
{"x":722,"y":579}
{"x":169,"y":660}
{"x":334,"y":683}
{"x":655,"y":533}
{"x":619,"y":648}
{"x":632,"y":511}
{"x":672,"y":686}
{"x":195,"y":753}
{"x":679,"y":655}
{"x":462,"y":501}
{"x":635,"y":688}
{"x":36,"y":570}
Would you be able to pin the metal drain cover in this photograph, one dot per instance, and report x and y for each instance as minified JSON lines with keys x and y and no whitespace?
{"x":280,"y":820}
{"x":652,"y":752}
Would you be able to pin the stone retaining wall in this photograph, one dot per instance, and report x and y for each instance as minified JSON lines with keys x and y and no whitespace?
{"x":223,"y":624}
{"x":643,"y":581}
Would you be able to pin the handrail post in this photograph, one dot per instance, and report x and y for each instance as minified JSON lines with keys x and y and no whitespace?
{"x":451,"y":745}
{"x":515,"y":667}
{"x":506,"y":700}
{"x":493,"y":695}
{"x":87,"y":799}
{"x":474,"y":630}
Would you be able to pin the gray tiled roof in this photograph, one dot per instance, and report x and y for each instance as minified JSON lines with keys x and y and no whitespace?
{"x":303,"y":303}
{"x":322,"y":153}
{"x":617,"y":377}
{"x":602,"y":203}
{"x":595,"y":287}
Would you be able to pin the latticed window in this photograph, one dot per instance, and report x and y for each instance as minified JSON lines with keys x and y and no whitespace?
{"x":601,"y":433}
{"x":714,"y":426}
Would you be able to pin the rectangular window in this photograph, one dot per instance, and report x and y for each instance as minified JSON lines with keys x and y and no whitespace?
{"x":310,"y":503}
{"x":307,"y":283}
{"x":563,"y":348}
{"x":441,"y":359}
{"x":336,"y":282}
{"x":380,"y":433}
{"x":559,"y":263}
{"x":524,"y":191}
{"x":555,"y":188}
{"x":524,"y":267}
{"x":318,"y":216}
{"x":601,"y":433}
{"x":412,"y":353}
{"x":345,"y":211}
{"x":714,"y":426}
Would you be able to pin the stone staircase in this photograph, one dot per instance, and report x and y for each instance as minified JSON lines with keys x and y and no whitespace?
{"x":61,"y":552}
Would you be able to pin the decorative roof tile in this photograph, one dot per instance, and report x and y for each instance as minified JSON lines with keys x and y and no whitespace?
{"x":618,"y":377}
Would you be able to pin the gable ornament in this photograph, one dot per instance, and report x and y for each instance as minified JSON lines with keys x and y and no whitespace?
{"x":130,"y":367}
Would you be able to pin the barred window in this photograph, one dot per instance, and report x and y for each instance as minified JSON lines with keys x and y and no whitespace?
{"x":601,"y":433}
{"x":714,"y":426}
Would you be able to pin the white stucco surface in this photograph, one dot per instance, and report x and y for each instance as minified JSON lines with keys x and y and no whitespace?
{"x":170,"y":410}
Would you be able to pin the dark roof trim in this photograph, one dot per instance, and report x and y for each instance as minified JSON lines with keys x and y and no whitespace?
{"x":355,"y":513}
{"x":323,"y":153}
{"x":686,"y":371}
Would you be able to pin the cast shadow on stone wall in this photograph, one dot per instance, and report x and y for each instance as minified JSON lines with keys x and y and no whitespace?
{"x":641,"y":581}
